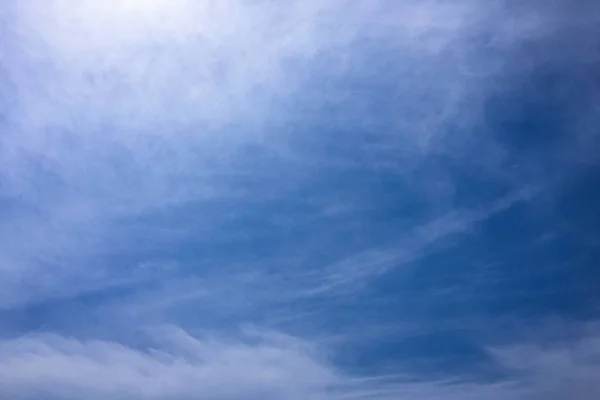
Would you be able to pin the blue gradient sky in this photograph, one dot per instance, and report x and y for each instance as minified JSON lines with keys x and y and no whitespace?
{"x":299,"y":200}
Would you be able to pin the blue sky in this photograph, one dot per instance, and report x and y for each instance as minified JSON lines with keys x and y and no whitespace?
{"x":299,"y":200}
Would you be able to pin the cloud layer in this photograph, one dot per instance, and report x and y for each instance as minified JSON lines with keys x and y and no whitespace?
{"x":268,"y":367}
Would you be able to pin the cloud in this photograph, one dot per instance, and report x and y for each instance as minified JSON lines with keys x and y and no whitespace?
{"x":136,"y":136}
{"x":358,"y":268}
{"x":117,"y":110}
{"x":66,"y":368}
{"x":269,"y":366}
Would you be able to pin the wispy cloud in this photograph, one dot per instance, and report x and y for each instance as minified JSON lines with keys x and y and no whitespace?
{"x":183,"y":367}
{"x":268,"y":367}
{"x":123,"y":108}
{"x":358,"y":268}
{"x":221,"y":160}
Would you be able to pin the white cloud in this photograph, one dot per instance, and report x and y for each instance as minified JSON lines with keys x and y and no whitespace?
{"x":189,"y":369}
{"x":269,"y":366}
{"x":123,"y":110}
{"x":359,"y":267}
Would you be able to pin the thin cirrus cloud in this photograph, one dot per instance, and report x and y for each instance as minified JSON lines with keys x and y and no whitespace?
{"x":109,"y":121}
{"x":210,"y":164}
{"x":139,"y":115}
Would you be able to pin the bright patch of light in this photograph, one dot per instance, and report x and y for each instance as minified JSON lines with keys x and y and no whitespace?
{"x":84,"y":26}
{"x":145,"y":5}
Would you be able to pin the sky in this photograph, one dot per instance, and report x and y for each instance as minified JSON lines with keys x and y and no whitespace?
{"x":300,"y":200}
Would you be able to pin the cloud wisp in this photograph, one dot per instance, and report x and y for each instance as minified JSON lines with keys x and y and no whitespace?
{"x":208,"y":164}
{"x":163,"y":107}
{"x":268,"y":367}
